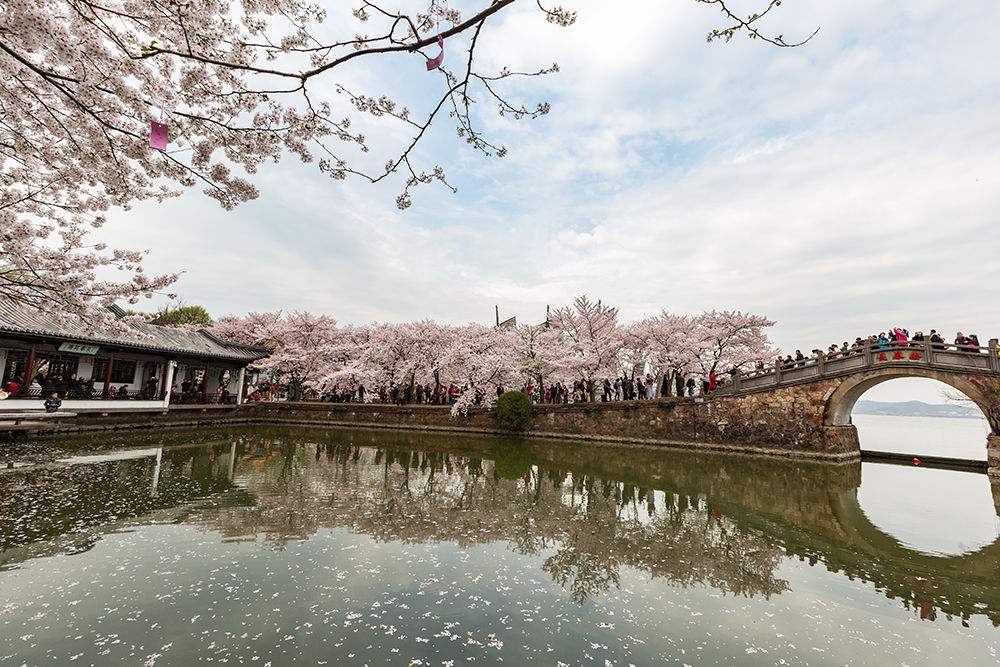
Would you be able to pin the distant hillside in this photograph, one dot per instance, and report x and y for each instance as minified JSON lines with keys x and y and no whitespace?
{"x":916,"y":409}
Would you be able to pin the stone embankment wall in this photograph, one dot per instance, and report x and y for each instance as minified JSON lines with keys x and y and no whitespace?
{"x":787,"y":421}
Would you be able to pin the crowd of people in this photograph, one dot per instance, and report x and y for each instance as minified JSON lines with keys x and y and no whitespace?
{"x":73,"y":387}
{"x":416,"y":394}
{"x":895,"y":339}
{"x":625,"y":388}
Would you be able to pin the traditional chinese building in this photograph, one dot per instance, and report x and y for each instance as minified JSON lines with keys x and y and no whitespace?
{"x":144,"y":367}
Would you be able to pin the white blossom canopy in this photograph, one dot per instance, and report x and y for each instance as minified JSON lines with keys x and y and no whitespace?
{"x":581,"y":342}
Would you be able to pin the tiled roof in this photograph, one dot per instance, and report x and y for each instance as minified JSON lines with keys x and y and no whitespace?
{"x":15,"y":319}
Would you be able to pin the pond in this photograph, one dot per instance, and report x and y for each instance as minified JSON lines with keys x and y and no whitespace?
{"x":276,"y":546}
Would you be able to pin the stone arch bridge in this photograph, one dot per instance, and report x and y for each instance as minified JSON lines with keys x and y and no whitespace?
{"x":815,"y":397}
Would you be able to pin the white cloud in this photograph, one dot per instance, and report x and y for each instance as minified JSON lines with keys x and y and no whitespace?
{"x":840,"y":187}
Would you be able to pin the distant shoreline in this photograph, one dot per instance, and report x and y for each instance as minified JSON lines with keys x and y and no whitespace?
{"x":917,"y":409}
{"x":900,"y":414}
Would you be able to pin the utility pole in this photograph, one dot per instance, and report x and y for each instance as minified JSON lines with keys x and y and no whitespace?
{"x":498,"y":314}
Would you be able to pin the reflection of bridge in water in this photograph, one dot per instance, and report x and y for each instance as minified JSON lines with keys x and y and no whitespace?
{"x":815,"y":509}
{"x":692,"y":519}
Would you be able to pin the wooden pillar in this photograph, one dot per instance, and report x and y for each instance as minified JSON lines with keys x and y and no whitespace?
{"x":241,"y":387}
{"x":107,"y":376}
{"x":204,"y":386}
{"x":29,"y":370}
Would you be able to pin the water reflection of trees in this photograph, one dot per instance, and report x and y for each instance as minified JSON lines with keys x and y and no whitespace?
{"x":589,"y":513}
{"x":588,"y":528}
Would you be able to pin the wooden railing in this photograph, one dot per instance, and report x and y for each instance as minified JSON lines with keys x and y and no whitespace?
{"x":923,"y":354}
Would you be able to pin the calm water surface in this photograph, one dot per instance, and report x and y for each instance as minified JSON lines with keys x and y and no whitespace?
{"x":271,"y":546}
{"x":937,"y":436}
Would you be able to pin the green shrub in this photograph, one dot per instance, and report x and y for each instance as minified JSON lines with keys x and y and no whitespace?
{"x":513,"y":411}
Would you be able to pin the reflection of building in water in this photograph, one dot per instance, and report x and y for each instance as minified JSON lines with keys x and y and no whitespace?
{"x":68,"y":508}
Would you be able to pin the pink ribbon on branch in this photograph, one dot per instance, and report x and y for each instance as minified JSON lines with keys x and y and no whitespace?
{"x":435,"y":62}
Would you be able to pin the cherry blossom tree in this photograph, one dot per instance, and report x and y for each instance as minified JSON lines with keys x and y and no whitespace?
{"x":666,"y":340}
{"x":305,"y":348}
{"x":344,"y":370}
{"x":403,"y":355}
{"x":237,"y":83}
{"x":730,"y":339}
{"x":590,"y":340}
{"x":537,"y":352}
{"x":480,"y":359}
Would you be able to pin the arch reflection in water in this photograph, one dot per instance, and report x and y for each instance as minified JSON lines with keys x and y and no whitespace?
{"x":933,"y":511}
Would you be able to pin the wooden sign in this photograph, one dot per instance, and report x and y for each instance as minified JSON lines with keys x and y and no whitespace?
{"x":78,"y":348}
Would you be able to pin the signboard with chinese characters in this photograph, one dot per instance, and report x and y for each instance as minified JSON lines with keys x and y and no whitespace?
{"x":78,"y":348}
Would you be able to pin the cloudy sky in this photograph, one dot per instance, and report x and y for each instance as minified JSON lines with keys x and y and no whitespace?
{"x":840,"y":187}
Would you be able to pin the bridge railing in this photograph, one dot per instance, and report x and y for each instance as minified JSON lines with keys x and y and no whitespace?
{"x":913,"y":353}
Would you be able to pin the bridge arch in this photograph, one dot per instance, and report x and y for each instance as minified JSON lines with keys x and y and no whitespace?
{"x":841,"y":401}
